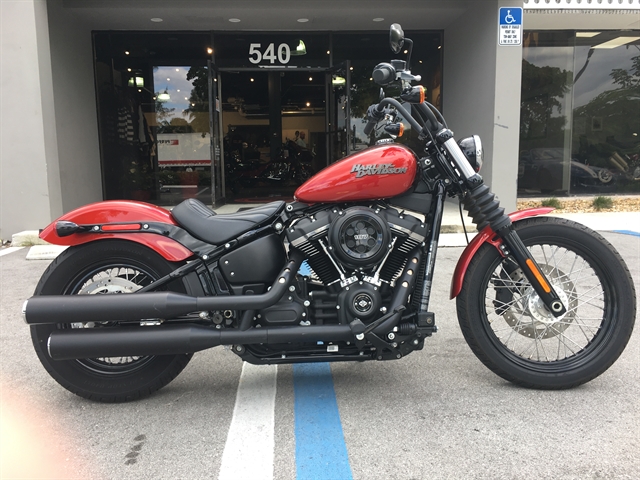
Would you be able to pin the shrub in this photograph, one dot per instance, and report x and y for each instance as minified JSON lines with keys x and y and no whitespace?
{"x":602,"y":203}
{"x":551,"y":202}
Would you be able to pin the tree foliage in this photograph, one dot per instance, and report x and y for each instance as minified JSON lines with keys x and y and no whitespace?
{"x":543,"y":90}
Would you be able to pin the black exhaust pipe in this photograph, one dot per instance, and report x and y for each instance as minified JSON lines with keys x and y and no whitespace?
{"x":75,"y":343}
{"x":49,"y":309}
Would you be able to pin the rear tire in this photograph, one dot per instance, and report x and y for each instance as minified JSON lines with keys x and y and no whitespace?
{"x":511,"y":331}
{"x":106,"y":267}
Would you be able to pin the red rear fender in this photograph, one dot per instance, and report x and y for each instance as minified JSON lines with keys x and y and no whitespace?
{"x":120,"y":211}
{"x":486,"y":235}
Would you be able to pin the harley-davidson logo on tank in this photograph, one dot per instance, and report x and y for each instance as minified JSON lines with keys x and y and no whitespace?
{"x":383,"y":171}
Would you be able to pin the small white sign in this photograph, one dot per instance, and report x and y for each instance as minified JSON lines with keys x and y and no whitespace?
{"x":184,"y":149}
{"x":510,"y":26}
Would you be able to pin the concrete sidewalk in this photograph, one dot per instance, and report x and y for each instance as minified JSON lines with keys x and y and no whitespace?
{"x":602,"y":221}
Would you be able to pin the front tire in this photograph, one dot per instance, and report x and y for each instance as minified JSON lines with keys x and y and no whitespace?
{"x":106,"y":267}
{"x":511,"y":332}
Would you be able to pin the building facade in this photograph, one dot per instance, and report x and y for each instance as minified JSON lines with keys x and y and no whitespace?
{"x":242,"y":101}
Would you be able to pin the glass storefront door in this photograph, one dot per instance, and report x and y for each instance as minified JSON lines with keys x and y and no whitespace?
{"x":154,"y":115}
{"x":235,"y":117}
{"x":273,"y":130}
{"x":183,"y":134}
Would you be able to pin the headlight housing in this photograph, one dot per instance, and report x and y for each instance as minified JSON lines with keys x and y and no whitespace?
{"x":472,"y":149}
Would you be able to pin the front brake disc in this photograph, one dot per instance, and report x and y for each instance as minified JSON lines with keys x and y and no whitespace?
{"x":529,"y":316}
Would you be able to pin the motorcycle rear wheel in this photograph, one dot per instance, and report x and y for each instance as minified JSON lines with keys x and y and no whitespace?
{"x":511,"y":332}
{"x":106,"y":267}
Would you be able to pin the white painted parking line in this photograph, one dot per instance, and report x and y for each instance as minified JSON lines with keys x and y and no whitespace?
{"x":8,"y":250}
{"x":248,"y":452}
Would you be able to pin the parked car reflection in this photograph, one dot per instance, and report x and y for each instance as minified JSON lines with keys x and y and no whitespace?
{"x":542,"y":169}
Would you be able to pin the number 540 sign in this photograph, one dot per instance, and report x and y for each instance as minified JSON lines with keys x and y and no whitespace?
{"x":257,"y":55}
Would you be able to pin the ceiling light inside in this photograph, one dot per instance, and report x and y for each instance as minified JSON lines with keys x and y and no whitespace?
{"x":378,"y":19}
{"x":336,"y":81}
{"x":587,"y":34}
{"x":303,"y":20}
{"x":156,"y":20}
{"x":301,"y":49}
{"x":136,"y":82}
{"x":617,"y":42}
{"x":234,"y":20}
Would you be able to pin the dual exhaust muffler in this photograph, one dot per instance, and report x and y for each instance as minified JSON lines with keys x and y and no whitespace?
{"x":132,"y":341}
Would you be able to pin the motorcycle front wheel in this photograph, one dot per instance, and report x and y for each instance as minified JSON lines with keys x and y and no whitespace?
{"x":510,"y":330}
{"x":99,"y":268}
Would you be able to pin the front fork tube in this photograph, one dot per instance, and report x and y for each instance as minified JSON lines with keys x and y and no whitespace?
{"x":484,"y":208}
{"x":539,"y":281}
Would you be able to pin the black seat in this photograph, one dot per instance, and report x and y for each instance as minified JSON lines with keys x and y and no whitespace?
{"x":203,"y":223}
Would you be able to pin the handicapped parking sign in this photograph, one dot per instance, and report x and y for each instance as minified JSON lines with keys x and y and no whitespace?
{"x":510,"y":26}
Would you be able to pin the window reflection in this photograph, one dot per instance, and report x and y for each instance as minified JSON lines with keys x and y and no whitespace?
{"x":580,"y":113}
{"x":607,"y":109}
{"x":183,"y":136}
{"x":153,"y":113}
{"x":365,"y":51}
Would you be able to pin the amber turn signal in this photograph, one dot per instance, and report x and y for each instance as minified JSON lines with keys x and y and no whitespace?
{"x":395,"y":129}
{"x":545,"y":286}
{"x":415,"y":94}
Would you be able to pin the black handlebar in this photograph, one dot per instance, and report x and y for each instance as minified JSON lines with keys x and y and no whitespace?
{"x":435,"y":125}
{"x":376,"y":113}
{"x":369,"y":126}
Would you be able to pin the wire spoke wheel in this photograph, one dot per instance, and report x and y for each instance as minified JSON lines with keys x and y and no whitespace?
{"x":511,"y":331}
{"x":113,"y":279}
{"x":106,"y":267}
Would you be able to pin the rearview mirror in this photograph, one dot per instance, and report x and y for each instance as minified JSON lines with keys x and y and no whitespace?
{"x":396,"y":38}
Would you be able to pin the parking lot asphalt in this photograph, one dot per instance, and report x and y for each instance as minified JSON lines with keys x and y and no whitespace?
{"x":436,"y":414}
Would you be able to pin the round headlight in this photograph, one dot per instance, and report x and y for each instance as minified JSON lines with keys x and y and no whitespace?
{"x":472,"y":149}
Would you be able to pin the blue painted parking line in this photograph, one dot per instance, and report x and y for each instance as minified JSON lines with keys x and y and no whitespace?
{"x":628,"y":232}
{"x":320,"y":448}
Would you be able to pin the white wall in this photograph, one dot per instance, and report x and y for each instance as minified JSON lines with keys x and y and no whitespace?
{"x":49,"y":152}
{"x":482,"y":93}
{"x":76,"y":116}
{"x":29,"y":178}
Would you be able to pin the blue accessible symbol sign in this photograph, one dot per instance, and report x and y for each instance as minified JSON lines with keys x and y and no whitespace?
{"x":510,"y":26}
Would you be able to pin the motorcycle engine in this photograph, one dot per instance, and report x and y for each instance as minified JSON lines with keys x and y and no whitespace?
{"x":355,"y":255}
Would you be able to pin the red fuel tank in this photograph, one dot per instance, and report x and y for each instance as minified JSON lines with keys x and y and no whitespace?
{"x":383,"y":171}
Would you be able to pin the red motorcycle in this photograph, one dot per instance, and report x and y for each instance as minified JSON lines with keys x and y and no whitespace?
{"x":543,"y":302}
